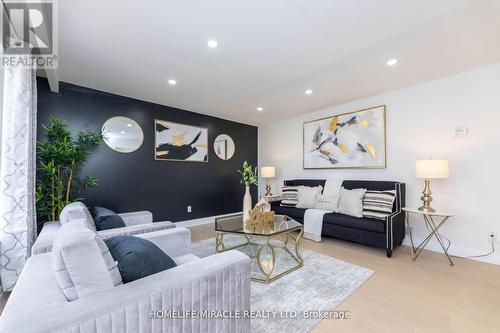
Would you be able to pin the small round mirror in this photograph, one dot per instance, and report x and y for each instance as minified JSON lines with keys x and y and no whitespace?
{"x":224,"y":146}
{"x":122,"y":134}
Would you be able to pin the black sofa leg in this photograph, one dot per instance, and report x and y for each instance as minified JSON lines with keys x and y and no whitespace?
{"x":389,"y":253}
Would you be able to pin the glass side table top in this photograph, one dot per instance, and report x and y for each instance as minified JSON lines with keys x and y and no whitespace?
{"x":235,"y":224}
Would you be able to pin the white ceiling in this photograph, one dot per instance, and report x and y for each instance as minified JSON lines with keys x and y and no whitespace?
{"x":270,"y":51}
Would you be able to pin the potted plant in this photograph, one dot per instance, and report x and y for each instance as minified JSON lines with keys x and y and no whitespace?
{"x":60,"y":158}
{"x":248,"y":177}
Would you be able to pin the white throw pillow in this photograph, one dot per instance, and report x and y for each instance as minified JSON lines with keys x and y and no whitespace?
{"x":307,"y":196}
{"x":82,"y":263}
{"x":351,"y":202}
{"x":328,"y":202}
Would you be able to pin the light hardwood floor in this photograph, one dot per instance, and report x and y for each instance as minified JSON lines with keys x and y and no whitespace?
{"x":402,"y":296}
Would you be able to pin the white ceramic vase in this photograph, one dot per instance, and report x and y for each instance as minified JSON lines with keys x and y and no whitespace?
{"x":247,"y":203}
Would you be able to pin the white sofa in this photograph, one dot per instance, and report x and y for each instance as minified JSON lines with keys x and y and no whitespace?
{"x":218,"y":282}
{"x":136,"y":223}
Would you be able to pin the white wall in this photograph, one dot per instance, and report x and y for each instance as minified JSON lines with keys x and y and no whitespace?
{"x":420,"y":120}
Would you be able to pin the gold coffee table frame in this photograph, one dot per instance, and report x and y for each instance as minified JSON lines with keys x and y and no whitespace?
{"x":277,"y":239}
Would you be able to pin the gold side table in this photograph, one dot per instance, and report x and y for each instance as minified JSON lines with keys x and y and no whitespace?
{"x":433,"y":222}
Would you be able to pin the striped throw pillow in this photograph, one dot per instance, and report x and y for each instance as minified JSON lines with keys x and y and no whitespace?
{"x":378,"y":204}
{"x":289,"y":196}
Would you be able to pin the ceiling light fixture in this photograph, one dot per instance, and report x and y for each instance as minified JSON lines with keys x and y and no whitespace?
{"x":212,"y":43}
{"x":308,"y":92}
{"x":392,"y":62}
{"x":122,"y":132}
{"x":260,"y":109}
{"x":172,"y":82}
{"x":129,"y":125}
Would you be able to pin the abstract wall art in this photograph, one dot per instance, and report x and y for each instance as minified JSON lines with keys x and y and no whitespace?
{"x":350,"y":140}
{"x":179,"y":142}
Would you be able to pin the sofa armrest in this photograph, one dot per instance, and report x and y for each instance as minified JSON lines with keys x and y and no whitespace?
{"x":217,"y":282}
{"x":135,"y":218}
{"x":174,"y":242}
{"x":45,"y":239}
{"x":395,"y":229}
{"x":135,"y":229}
{"x":275,"y":203}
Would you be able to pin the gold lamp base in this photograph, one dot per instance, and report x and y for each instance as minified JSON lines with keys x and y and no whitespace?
{"x":268,"y":188}
{"x":427,"y":198}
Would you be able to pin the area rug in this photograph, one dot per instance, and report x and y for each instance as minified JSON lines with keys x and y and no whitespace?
{"x":321,"y":285}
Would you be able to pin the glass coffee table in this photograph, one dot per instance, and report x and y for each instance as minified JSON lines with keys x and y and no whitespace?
{"x":269,"y":245}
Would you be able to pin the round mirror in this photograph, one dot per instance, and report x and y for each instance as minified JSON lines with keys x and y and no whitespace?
{"x":224,"y":146}
{"x":122,"y":134}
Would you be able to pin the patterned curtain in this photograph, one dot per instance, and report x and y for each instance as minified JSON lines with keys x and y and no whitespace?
{"x":17,"y":173}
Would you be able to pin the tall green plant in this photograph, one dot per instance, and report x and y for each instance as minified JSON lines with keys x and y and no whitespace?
{"x":248,"y":175}
{"x":60,"y":159}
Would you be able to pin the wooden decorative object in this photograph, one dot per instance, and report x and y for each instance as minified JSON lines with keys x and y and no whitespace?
{"x":258,"y":216}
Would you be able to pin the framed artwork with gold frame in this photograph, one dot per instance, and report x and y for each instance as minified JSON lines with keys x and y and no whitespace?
{"x":180,"y":142}
{"x":350,"y":140}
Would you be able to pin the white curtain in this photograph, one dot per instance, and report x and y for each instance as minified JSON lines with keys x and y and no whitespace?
{"x":17,"y":173}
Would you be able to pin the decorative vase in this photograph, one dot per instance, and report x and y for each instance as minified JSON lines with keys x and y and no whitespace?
{"x":247,"y":203}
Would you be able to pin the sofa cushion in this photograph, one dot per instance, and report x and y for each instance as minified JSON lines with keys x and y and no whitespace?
{"x":137,"y":257}
{"x":378,"y":204}
{"x":105,"y":219}
{"x":354,"y":222}
{"x":307,"y":196}
{"x":77,"y":211}
{"x":327,"y":202}
{"x":373,"y":185}
{"x":289,"y":196}
{"x":351,"y":202}
{"x":290,"y":211}
{"x":81,"y":262}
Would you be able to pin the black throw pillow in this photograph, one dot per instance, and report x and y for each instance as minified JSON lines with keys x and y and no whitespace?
{"x":137,"y":257}
{"x":105,"y":219}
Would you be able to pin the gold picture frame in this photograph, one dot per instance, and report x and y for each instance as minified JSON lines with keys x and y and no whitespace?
{"x":182,"y":149}
{"x":370,"y":130}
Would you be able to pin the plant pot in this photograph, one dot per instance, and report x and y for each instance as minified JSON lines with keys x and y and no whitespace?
{"x":247,"y":203}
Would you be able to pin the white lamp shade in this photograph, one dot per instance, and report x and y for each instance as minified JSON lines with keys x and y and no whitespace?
{"x":432,"y":169}
{"x":268,"y":172}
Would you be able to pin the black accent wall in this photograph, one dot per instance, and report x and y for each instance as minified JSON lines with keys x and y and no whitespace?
{"x":135,"y":181}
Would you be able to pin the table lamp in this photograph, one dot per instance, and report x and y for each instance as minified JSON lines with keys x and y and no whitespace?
{"x":268,"y":172}
{"x":427,"y":170}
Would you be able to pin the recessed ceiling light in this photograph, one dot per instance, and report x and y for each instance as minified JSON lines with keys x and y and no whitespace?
{"x":212,"y":43}
{"x":260,"y":109}
{"x":172,"y":82}
{"x":392,"y":62}
{"x":122,"y":132}
{"x":308,"y":92}
{"x":129,"y":125}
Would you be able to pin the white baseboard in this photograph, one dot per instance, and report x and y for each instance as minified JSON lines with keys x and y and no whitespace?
{"x":201,"y":221}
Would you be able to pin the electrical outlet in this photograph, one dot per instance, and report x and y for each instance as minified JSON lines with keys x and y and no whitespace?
{"x":189,"y":209}
{"x":492,"y":237}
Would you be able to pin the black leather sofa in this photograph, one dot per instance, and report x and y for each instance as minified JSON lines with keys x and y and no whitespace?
{"x":387,"y":233}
